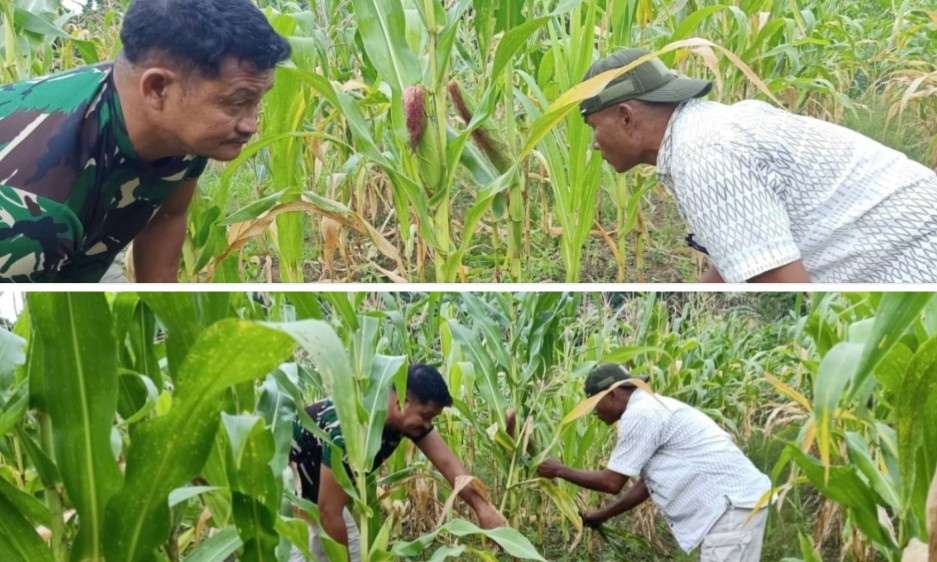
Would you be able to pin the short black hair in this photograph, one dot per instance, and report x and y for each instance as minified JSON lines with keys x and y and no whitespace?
{"x":426,"y":384}
{"x":201,"y":33}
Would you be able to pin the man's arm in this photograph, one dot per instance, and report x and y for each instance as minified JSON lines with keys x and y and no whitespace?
{"x":711,"y":275}
{"x":332,"y":502}
{"x":793,"y":272}
{"x":449,"y":465}
{"x":156,"y":250}
{"x":607,"y":481}
{"x":631,"y":499}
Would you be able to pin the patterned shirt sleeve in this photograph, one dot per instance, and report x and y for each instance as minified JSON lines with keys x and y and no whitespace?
{"x":726,"y":199}
{"x":639,"y":435}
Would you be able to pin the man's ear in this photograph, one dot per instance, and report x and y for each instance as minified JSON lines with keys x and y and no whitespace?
{"x":155,"y":86}
{"x":626,"y":114}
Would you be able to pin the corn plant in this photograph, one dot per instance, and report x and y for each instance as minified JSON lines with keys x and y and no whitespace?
{"x":871,"y":416}
{"x":163,"y":429}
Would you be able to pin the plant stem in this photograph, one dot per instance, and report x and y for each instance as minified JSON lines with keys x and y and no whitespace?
{"x":53,"y":494}
{"x":10,"y":70}
{"x":445,"y":271}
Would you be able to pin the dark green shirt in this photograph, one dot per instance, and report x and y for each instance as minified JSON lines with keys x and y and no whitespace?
{"x":73,"y":192}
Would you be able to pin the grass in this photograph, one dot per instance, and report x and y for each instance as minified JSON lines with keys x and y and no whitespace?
{"x":910,"y":134}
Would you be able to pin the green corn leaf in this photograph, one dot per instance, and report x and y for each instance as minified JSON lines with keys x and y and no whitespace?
{"x":307,"y":306}
{"x":180,"y":495}
{"x":296,"y":531}
{"x":167,"y":451}
{"x":278,"y":409}
{"x":218,"y":548}
{"x":45,"y":467}
{"x":808,"y":550}
{"x":916,"y":427}
{"x":181,"y":315}
{"x":842,"y":485}
{"x":25,"y":19}
{"x":19,"y":541}
{"x":487,"y":371}
{"x":446,"y":552}
{"x":837,"y":369}
{"x":382,"y":26}
{"x":256,"y":493}
{"x":896,"y":313}
{"x":690,"y":24}
{"x":484,"y":22}
{"x":328,"y":355}
{"x":12,"y":355}
{"x":80,"y":370}
{"x":25,"y":504}
{"x":860,"y":456}
{"x":15,"y":407}
{"x":483,"y":314}
{"x":383,"y":370}
{"x":511,"y":540}
{"x":447,"y":39}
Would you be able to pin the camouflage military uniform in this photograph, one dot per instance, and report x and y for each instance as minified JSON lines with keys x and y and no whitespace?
{"x":72,"y":191}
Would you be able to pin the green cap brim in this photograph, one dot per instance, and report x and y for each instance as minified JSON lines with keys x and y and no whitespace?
{"x":674,"y":91}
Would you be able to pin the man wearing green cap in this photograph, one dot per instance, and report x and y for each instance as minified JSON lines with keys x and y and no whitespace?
{"x":770,"y":196}
{"x":704,"y":485}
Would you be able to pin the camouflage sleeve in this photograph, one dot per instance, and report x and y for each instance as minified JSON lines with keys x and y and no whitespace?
{"x":339,"y":442}
{"x":196,"y":169}
{"x":87,"y":269}
{"x":37,"y":236}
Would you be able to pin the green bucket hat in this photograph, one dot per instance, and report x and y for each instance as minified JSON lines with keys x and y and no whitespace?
{"x":607,"y":374}
{"x":649,"y":81}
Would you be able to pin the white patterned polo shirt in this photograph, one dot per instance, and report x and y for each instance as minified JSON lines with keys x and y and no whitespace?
{"x":691,"y":467}
{"x":760,"y":187}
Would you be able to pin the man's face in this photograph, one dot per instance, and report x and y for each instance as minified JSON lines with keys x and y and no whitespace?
{"x":609,"y":409}
{"x":614,"y":136}
{"x":216,"y":117}
{"x":417,"y":416}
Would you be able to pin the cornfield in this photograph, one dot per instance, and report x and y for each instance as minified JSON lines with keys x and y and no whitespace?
{"x":496,"y":182}
{"x":157,"y":426}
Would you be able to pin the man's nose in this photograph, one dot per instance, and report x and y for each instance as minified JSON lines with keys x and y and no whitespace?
{"x":247,"y":125}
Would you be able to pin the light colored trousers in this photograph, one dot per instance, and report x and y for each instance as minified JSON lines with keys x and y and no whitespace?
{"x":315,"y":543}
{"x":734,"y":538}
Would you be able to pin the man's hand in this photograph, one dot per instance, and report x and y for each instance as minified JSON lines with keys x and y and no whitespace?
{"x":592,"y":519}
{"x":446,"y":462}
{"x":550,"y":468}
{"x":490,"y":518}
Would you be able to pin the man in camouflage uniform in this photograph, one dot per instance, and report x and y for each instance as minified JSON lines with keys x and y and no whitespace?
{"x":312,"y":461}
{"x":95,"y":158}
